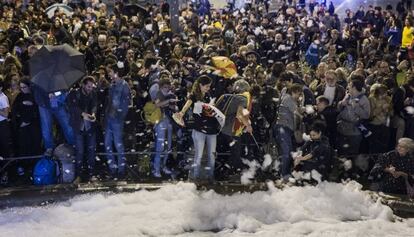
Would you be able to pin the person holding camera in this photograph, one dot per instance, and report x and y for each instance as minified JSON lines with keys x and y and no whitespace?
{"x":82,"y":104}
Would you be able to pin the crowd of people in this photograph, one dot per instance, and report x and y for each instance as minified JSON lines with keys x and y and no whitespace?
{"x":349,"y":83}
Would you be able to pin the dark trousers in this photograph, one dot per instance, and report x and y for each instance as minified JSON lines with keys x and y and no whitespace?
{"x":283,"y":136}
{"x":5,"y":138}
{"x":348,"y":145}
{"x":85,"y":148}
{"x":231,"y":145}
{"x":29,"y":140}
{"x":379,"y":139}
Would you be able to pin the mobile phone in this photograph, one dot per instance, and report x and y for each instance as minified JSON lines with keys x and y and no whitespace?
{"x":58,"y":93}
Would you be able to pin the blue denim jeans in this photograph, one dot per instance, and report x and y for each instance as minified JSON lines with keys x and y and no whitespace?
{"x":163,"y":142}
{"x":85,"y":148}
{"x":200,"y":139}
{"x":114,"y":130}
{"x":46,"y":119}
{"x":283,"y":136}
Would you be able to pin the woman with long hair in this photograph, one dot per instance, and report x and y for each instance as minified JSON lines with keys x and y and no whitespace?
{"x":203,"y":128}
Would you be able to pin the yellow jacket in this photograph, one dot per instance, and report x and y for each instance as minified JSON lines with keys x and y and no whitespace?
{"x":407,"y":37}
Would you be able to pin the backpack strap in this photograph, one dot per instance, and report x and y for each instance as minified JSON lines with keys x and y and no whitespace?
{"x":227,"y":103}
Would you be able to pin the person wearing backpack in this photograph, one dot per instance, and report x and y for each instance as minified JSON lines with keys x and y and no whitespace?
{"x":203,"y":129}
{"x":236,"y":107}
{"x":116,"y":109}
{"x":82,"y":104}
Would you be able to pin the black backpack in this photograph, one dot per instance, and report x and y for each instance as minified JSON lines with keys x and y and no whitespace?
{"x":224,"y":102}
{"x":270,"y":104}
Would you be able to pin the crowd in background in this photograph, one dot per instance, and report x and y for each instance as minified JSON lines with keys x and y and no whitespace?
{"x":349,"y":83}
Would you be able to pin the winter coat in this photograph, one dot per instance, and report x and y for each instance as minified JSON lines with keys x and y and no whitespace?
{"x":118,"y":100}
{"x":321,"y":156}
{"x":312,"y":55}
{"x":79,"y":103}
{"x":381,"y":110}
{"x":388,"y":182}
{"x":351,"y":116}
{"x":339,"y":93}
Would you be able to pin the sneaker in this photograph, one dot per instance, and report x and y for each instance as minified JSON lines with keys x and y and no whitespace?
{"x":156,"y":175}
{"x":77,"y":180}
{"x":166,"y":171}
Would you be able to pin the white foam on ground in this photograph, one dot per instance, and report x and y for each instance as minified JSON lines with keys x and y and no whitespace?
{"x":329,"y":209}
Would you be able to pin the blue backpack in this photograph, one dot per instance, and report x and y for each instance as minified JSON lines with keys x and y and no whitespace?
{"x":44,"y":172}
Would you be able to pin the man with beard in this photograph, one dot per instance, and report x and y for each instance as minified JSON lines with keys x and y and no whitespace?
{"x":82,"y":104}
{"x":253,"y":67}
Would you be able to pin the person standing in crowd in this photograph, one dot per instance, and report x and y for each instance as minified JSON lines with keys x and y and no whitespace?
{"x":354,"y":109}
{"x":4,"y":123}
{"x":146,"y":44}
{"x":330,"y":89}
{"x":52,"y":105}
{"x":285,"y":126}
{"x":25,"y":120}
{"x":407,"y":38}
{"x":82,"y":103}
{"x":116,"y":109}
{"x":204,"y":128}
{"x":380,"y":117}
{"x":163,"y":129}
{"x":236,"y":107}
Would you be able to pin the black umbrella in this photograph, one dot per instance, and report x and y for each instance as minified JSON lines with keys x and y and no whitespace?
{"x":55,"y":68}
{"x":134,"y":9}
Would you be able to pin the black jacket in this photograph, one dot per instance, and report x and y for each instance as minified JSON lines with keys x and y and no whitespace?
{"x":79,"y":103}
{"x":321,"y":156}
{"x":390,"y":184}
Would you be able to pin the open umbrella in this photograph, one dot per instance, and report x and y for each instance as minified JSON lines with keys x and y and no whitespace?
{"x":135,"y":9}
{"x":50,"y":11}
{"x":55,"y":68}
